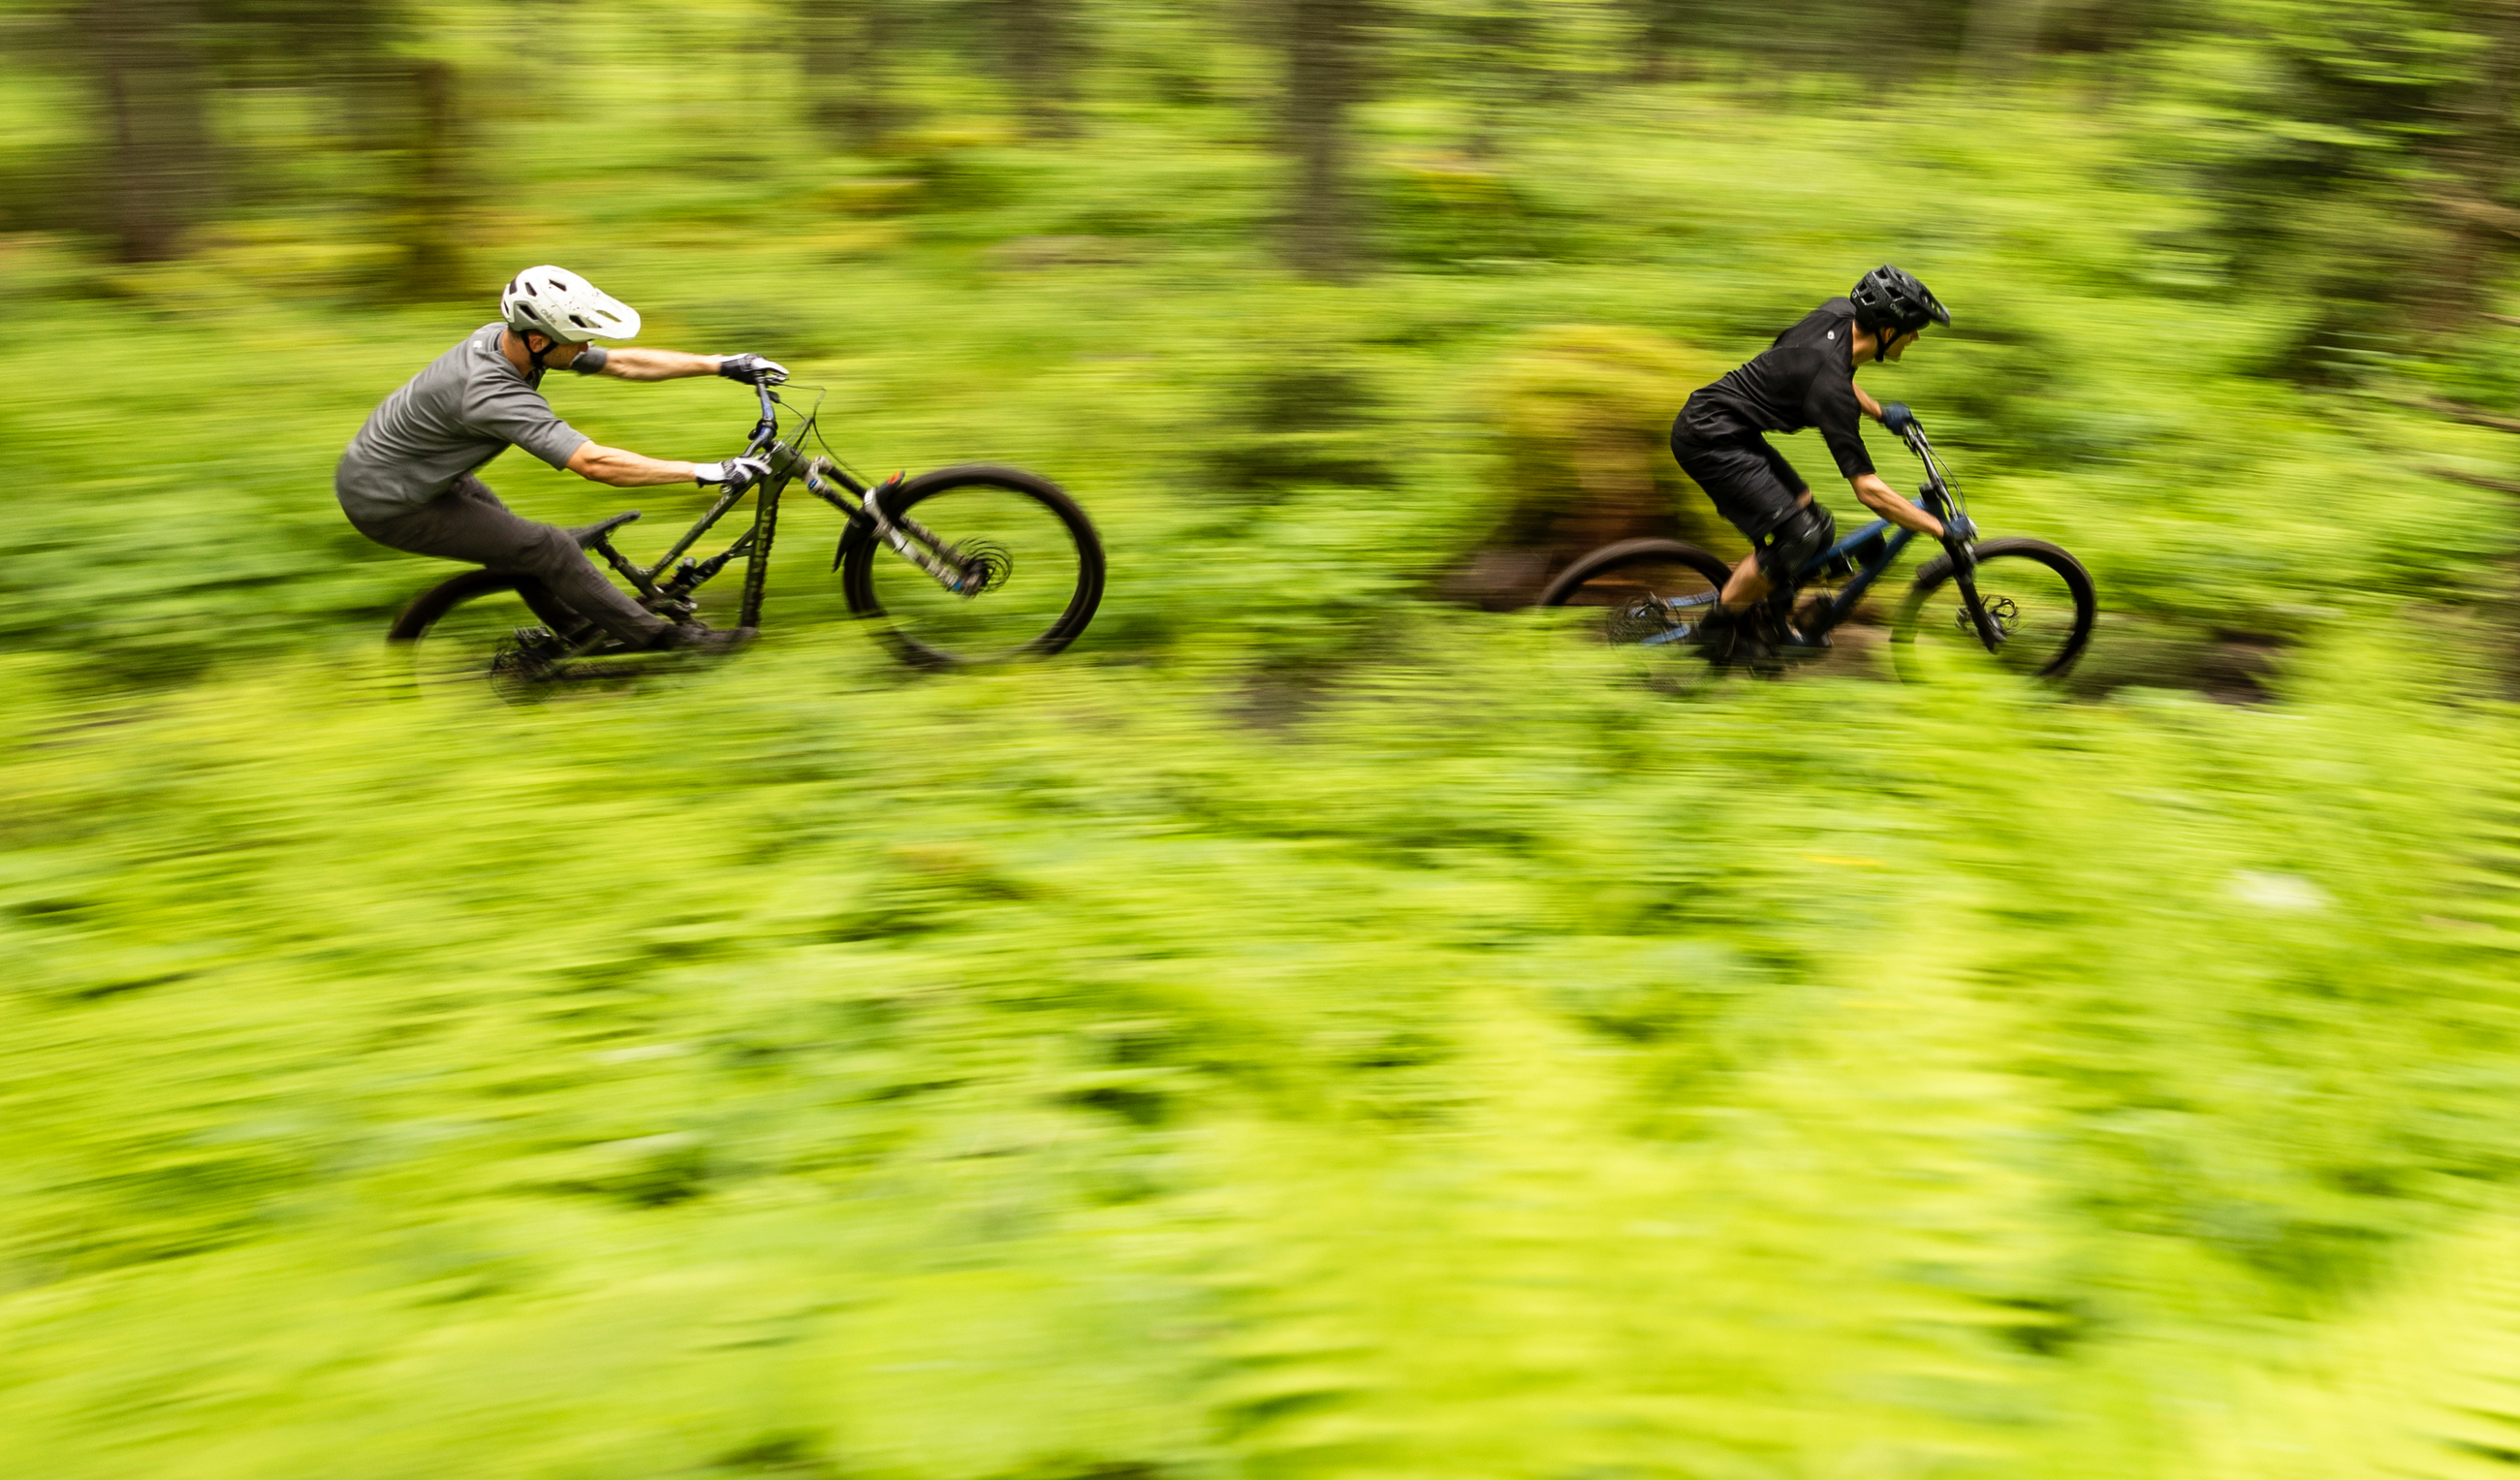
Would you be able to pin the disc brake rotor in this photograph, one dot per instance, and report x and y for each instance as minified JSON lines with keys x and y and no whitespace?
{"x":2001,"y":611}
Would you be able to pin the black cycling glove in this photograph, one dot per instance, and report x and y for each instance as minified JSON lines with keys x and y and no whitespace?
{"x":752,"y":369}
{"x":1960,"y":529}
{"x":1896,"y":416}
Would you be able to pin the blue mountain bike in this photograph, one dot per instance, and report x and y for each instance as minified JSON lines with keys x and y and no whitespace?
{"x":2022,"y":605}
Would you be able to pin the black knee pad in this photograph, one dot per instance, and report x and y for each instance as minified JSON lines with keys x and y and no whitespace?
{"x":1807,"y":532}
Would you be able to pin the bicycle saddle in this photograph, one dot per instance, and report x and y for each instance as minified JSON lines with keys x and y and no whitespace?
{"x":587,"y":534}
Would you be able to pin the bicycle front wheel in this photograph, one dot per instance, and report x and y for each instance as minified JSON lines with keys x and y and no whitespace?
{"x":2038,"y":599}
{"x":1026,"y":557}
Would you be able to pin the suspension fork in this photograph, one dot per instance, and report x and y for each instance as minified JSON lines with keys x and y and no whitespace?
{"x":1940,"y":502}
{"x":1964,"y":574}
{"x":921,"y":546}
{"x":912,"y":541}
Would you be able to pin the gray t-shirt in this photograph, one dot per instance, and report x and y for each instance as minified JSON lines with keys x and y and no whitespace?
{"x":469,"y":406}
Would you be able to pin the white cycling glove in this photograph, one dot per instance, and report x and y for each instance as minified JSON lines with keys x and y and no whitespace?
{"x":737,"y":474}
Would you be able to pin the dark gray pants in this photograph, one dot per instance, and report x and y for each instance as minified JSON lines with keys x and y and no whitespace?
{"x":467,"y":522}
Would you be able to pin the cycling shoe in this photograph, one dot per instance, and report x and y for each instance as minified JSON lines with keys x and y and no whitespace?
{"x":693,"y":637}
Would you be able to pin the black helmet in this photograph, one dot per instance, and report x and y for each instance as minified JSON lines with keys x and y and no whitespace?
{"x":1888,"y":299}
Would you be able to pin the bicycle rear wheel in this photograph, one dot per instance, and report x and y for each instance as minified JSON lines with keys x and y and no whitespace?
{"x":2039,"y":599}
{"x":483,"y":627}
{"x":1650,"y":593}
{"x":1031,"y":561}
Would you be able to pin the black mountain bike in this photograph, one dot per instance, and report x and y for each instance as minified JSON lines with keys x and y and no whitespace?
{"x":965,"y":565}
{"x":2019,"y":604}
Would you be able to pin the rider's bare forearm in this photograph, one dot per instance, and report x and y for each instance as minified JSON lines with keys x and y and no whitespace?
{"x":631,"y":363}
{"x":1872,"y":406}
{"x":1882,"y":500}
{"x":627,"y":470}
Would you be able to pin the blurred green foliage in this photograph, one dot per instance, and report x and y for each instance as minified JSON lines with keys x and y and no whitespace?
{"x":1048,"y":1073}
{"x":1314,"y":1028}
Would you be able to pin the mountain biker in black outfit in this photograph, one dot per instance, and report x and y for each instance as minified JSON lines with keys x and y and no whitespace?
{"x":1805,"y":378}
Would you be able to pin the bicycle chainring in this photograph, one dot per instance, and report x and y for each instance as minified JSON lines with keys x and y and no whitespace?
{"x":525,"y":662}
{"x":1637,"y":619}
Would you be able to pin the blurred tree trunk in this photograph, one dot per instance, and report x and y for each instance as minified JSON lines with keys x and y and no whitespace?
{"x":432,"y":185}
{"x":404,"y":115}
{"x":1041,"y":43}
{"x":845,"y":42}
{"x":1500,"y":40}
{"x":153,"y":104}
{"x":1324,"y":46}
{"x":352,"y":43}
{"x":1662,"y":33}
{"x":2128,"y":29}
{"x":2478,"y":157}
{"x":2002,"y":34}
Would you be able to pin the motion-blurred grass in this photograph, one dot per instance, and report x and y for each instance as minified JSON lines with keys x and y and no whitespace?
{"x":1503,"y":1071}
{"x":1313,"y":1028}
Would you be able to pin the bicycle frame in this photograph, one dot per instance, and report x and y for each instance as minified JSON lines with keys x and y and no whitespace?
{"x":1939,"y":497}
{"x":824,"y":478}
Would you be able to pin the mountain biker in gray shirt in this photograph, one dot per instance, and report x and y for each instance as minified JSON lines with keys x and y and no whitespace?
{"x":407,"y":479}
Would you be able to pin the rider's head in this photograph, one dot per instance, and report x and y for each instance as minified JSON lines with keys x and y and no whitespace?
{"x":1895,"y":308}
{"x":549,"y":307}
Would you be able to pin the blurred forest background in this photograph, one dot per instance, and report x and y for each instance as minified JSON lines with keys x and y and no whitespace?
{"x":1331,"y":1022}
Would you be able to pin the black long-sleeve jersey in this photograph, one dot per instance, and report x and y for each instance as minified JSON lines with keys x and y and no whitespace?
{"x":1805,"y":378}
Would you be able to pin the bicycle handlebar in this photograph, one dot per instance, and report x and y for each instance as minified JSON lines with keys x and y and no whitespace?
{"x":1938,"y":483}
{"x":766,"y":430}
{"x":785,"y":459}
{"x":1936,"y":475}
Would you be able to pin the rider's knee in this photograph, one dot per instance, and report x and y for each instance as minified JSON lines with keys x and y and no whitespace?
{"x":550,"y":545}
{"x":1804,"y":534}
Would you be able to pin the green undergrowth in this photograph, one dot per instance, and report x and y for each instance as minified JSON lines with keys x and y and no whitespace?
{"x":1107,"y":312}
{"x":1497,"y":1067}
{"x":1308,"y":1029}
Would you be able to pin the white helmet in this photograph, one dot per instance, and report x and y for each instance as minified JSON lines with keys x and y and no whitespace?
{"x":563,"y":306}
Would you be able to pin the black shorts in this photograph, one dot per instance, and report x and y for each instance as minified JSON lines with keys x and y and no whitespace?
{"x":1752,"y":484}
